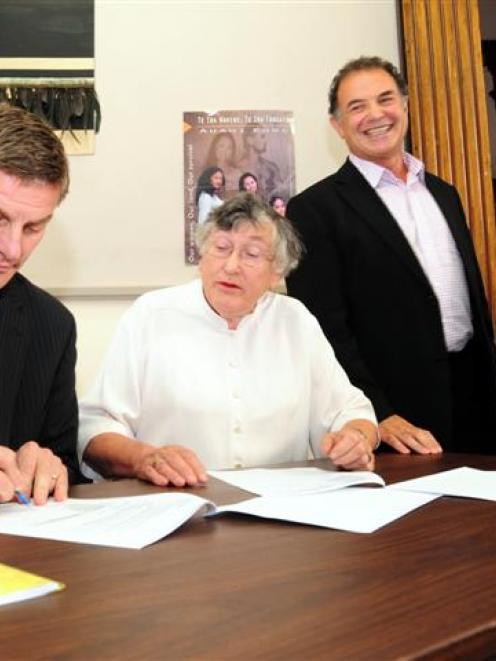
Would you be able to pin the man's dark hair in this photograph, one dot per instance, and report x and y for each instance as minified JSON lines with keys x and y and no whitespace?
{"x":30,"y":150}
{"x":364,"y":63}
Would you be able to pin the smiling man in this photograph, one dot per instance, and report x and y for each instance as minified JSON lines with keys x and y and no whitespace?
{"x":223,"y":372}
{"x":391,"y":274}
{"x":38,"y":407}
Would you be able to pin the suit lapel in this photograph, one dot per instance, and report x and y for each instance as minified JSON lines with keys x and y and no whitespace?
{"x":451,"y":212}
{"x":358,"y":193}
{"x":13,"y":345}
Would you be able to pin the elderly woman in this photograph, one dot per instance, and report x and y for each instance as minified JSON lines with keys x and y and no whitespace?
{"x":222,"y":372}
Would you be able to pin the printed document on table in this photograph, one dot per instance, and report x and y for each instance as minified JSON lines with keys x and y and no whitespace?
{"x":463,"y":482}
{"x":292,"y":481}
{"x":136,"y":521}
{"x":129,"y":522}
{"x":355,"y":510}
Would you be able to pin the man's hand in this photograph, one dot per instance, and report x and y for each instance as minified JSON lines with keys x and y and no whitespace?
{"x":10,"y":475}
{"x":43,"y":473}
{"x":350,"y":448}
{"x":405,"y":437}
{"x":172,"y":465}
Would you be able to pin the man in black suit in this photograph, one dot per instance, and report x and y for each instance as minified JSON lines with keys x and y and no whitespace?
{"x":391,"y":274}
{"x":38,"y":406}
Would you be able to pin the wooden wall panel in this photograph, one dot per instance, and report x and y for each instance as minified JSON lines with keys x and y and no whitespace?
{"x":448,"y":114}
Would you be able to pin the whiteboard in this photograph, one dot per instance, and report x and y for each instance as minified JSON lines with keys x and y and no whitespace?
{"x":121,"y":228}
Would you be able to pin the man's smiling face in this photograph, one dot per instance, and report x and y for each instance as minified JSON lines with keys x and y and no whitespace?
{"x":371,"y":116}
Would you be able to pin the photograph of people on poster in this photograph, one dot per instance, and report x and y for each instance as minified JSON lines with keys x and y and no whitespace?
{"x":230,"y":151}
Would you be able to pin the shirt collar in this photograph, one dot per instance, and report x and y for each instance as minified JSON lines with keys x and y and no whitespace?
{"x":220,"y":323}
{"x":373,"y":173}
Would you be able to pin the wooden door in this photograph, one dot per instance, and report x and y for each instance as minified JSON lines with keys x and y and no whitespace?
{"x":448,"y":114}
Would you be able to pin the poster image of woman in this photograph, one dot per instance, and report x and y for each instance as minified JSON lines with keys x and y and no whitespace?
{"x":278,"y":204}
{"x":209,"y":190}
{"x":248,"y":182}
{"x":222,"y":153}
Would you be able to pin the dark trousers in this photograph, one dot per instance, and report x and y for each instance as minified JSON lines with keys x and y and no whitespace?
{"x":474,"y":414}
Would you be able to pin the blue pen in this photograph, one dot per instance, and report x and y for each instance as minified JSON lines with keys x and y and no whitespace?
{"x":21,"y":497}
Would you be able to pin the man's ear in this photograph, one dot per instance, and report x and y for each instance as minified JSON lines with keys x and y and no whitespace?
{"x":336,"y":125}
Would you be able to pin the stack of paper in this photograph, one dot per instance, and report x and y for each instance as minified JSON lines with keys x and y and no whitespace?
{"x":18,"y":585}
{"x":356,"y":510}
{"x":129,"y":522}
{"x":136,"y":521}
{"x":463,"y":482}
{"x":294,"y":481}
{"x":302,"y":495}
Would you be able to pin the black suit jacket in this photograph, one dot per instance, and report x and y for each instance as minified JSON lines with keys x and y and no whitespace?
{"x":37,"y":372}
{"x":362,"y":281}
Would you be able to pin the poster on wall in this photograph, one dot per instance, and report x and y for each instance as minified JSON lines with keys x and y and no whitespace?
{"x":232,"y":150}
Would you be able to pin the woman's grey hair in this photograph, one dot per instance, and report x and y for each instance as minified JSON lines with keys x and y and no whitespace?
{"x":246,"y":208}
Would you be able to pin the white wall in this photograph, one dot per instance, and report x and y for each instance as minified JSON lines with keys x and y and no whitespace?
{"x":154,"y":60}
{"x":96,"y":320}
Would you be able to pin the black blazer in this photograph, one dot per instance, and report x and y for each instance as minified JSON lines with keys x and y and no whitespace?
{"x":37,"y":372}
{"x":362,"y":281}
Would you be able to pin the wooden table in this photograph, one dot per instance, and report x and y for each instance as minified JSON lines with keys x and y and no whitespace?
{"x":243,"y":588}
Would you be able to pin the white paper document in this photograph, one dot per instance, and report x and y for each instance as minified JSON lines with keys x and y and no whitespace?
{"x":136,"y":521}
{"x":463,"y":482}
{"x":293,"y":481}
{"x":355,"y":510}
{"x":129,"y":522}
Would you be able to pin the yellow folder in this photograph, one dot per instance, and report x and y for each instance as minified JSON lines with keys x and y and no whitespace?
{"x":17,"y":585}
